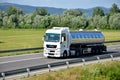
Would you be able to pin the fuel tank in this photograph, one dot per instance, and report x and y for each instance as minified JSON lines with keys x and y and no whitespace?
{"x":87,"y":37}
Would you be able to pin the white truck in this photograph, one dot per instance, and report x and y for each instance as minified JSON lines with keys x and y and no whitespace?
{"x":61,"y":42}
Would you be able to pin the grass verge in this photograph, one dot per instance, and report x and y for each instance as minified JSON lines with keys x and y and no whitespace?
{"x":100,"y":71}
{"x":20,"y":53}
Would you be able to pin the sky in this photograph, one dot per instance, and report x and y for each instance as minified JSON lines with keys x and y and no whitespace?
{"x":66,"y":3}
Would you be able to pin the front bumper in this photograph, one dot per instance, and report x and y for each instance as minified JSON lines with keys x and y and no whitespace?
{"x":52,"y":53}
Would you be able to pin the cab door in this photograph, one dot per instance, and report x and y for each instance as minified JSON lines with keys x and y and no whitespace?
{"x":65,"y":43}
{"x":64,"y":40}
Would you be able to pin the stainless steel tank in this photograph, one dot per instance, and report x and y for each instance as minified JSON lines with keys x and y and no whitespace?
{"x":87,"y":37}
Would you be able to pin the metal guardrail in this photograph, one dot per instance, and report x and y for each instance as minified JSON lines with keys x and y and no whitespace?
{"x":28,"y":70}
{"x":38,"y":48}
{"x":18,"y":50}
{"x":112,"y":41}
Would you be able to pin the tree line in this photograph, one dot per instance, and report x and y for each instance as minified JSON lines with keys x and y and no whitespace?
{"x":14,"y":18}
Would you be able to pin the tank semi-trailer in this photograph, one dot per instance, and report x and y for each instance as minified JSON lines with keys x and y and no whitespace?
{"x":60,"y":42}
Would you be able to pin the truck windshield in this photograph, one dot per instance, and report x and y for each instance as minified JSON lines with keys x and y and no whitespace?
{"x":52,"y":37}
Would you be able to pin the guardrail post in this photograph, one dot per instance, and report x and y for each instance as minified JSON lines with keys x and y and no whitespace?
{"x":28,"y":71}
{"x":49,"y":66}
{"x":111,"y":57}
{"x":3,"y":75}
{"x":67,"y":64}
{"x":98,"y":58}
{"x":83,"y":61}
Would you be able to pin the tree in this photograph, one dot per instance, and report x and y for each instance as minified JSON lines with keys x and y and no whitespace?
{"x":1,"y":18}
{"x":20,"y":21}
{"x":114,"y":21}
{"x":78,"y":22}
{"x":98,"y":11}
{"x":94,"y":22}
{"x":37,"y":21}
{"x":45,"y":22}
{"x":104,"y":22}
{"x":41,"y":11}
{"x":114,"y":9}
{"x":28,"y":20}
{"x":74,"y":12}
{"x":13,"y":10}
{"x":65,"y":20}
{"x":56,"y":20}
{"x":5,"y":20}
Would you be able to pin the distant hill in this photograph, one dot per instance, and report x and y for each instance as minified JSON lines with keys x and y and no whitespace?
{"x":30,"y":9}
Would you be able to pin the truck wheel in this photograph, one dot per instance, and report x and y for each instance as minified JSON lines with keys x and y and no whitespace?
{"x":93,"y":51}
{"x":97,"y":51}
{"x":101,"y":51}
{"x":77,"y":54}
{"x":81,"y":52}
{"x":65,"y":54}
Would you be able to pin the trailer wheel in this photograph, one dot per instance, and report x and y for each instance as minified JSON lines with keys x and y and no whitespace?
{"x":101,"y":51}
{"x":77,"y":54}
{"x":81,"y":52}
{"x":93,"y":51}
{"x":97,"y":51}
{"x":65,"y":54}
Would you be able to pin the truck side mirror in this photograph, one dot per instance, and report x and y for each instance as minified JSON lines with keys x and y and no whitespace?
{"x":62,"y":39}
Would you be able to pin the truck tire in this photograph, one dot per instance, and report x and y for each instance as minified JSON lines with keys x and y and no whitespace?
{"x":77,"y":54}
{"x":81,"y":52}
{"x":65,"y":54}
{"x":93,"y":51}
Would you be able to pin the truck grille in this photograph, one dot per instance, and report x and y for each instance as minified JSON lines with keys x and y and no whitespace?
{"x":51,"y":46}
{"x":51,"y":53}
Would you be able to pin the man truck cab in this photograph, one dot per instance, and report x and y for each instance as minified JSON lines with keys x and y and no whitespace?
{"x":56,"y":42}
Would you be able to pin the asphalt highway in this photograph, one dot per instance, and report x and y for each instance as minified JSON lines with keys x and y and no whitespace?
{"x":35,"y":59}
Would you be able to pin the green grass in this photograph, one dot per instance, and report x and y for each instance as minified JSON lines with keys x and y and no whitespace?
{"x":100,"y":71}
{"x":28,"y":38}
{"x":112,"y":35}
{"x":21,"y":38}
